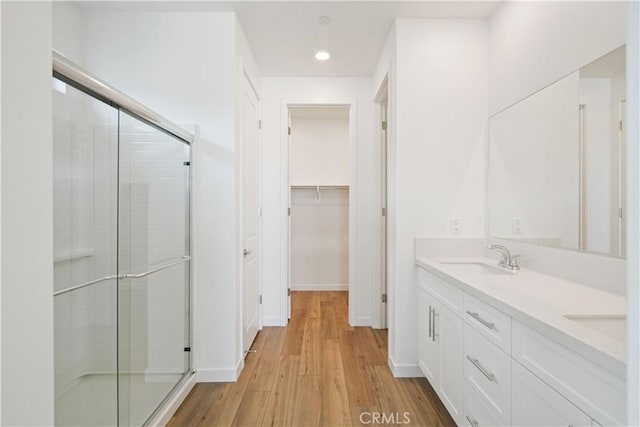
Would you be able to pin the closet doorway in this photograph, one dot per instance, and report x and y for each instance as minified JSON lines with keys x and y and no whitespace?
{"x":319,"y":199}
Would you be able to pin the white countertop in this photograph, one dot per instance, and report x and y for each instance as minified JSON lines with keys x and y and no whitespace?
{"x":541,"y":301}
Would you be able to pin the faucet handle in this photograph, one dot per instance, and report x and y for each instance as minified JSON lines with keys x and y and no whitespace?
{"x":513,"y":264}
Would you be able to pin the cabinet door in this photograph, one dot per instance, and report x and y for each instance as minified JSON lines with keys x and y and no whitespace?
{"x":428,"y":354}
{"x":536,"y":404}
{"x":449,"y":335}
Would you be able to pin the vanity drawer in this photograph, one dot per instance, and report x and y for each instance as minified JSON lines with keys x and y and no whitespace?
{"x":487,"y":370}
{"x":594,"y":390}
{"x":450,"y":295}
{"x":476,"y":411}
{"x":492,"y":323}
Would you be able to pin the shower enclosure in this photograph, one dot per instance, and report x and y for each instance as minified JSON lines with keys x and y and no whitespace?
{"x":122,"y":254}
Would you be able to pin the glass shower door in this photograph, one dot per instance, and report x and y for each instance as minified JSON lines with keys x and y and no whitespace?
{"x":153,"y":264}
{"x":85,"y":146}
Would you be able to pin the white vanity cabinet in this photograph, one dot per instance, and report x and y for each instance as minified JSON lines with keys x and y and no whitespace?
{"x":489,"y":369}
{"x":441,"y":346}
{"x":536,"y":404}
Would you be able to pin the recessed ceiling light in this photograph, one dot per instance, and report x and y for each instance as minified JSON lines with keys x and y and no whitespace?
{"x":324,"y":20}
{"x":322,"y":55}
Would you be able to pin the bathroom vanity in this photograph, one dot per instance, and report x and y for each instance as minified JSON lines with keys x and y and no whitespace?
{"x":544,"y":345}
{"x":520,"y":348}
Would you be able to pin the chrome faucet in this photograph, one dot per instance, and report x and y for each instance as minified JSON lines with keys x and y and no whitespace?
{"x":506,"y":259}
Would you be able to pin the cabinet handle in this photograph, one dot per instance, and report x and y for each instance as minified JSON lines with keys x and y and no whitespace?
{"x":481,"y":320}
{"x":429,"y":321}
{"x":477,"y":364}
{"x":473,"y":422}
{"x":434,"y":325}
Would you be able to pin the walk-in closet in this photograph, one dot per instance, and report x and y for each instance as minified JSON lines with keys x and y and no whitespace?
{"x":319,"y":197}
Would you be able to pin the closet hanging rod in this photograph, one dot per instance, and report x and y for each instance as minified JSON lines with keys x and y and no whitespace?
{"x":79,"y":78}
{"x":320,"y":187}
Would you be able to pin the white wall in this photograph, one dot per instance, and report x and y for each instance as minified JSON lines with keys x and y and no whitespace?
{"x":364,"y":197}
{"x":68,"y":30}
{"x":319,"y":239}
{"x":27,"y":215}
{"x":437,"y":155}
{"x":533,"y":44}
{"x":319,"y":152}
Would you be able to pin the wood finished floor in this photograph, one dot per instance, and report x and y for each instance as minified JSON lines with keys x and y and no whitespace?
{"x":316,"y":371}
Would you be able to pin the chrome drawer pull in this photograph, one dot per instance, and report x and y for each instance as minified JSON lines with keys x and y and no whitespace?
{"x":433,"y":337}
{"x":430,"y":322}
{"x":473,"y":422}
{"x":477,"y":364}
{"x":481,"y":320}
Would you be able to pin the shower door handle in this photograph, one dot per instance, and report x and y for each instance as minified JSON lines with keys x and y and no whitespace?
{"x":155,"y":270}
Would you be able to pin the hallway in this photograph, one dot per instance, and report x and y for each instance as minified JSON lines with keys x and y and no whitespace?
{"x":316,"y":371}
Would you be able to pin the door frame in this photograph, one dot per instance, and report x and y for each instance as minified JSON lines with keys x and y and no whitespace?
{"x":380,"y":309}
{"x":285,"y":202}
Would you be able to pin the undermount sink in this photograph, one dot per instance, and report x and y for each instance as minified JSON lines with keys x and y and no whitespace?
{"x":612,"y":325}
{"x":473,"y":267}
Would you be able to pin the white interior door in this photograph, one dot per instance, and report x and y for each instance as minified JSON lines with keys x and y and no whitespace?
{"x":250,"y":217}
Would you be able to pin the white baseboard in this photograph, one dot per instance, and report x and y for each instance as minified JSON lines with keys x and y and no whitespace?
{"x":220,"y":375}
{"x":164,"y":414}
{"x":271,"y":321}
{"x":319,"y":286}
{"x":404,"y":370}
{"x":362,"y":321}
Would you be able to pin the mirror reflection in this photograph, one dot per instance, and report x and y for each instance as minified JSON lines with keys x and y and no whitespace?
{"x":556,"y":162}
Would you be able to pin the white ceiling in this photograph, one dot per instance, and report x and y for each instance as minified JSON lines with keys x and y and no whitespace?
{"x":284,"y":35}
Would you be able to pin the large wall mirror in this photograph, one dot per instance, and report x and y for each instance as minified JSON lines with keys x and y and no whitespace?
{"x":557,"y":162}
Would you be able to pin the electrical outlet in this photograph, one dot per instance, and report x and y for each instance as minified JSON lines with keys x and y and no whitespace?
{"x":454,"y":225}
{"x":516,"y":225}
